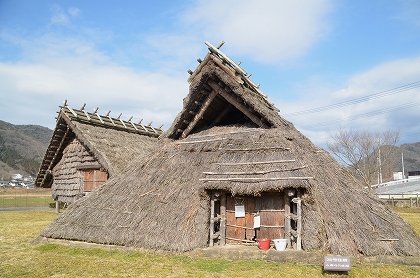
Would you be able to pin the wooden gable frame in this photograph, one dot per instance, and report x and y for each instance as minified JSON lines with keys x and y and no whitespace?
{"x":214,"y":102}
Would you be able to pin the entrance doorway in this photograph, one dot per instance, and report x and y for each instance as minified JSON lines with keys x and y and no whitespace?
{"x":242,"y":219}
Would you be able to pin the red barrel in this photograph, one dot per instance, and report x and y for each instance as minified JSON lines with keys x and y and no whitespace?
{"x":264,"y":243}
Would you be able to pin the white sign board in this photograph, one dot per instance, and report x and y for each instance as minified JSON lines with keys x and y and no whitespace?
{"x":337,"y":263}
{"x":257,"y":222}
{"x":240,"y":211}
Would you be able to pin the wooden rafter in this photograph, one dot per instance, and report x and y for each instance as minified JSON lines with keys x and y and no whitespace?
{"x":200,"y":114}
{"x":63,"y":138}
{"x":229,"y":98}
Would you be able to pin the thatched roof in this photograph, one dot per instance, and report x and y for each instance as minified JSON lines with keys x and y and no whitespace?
{"x":113,"y":142}
{"x":162,"y":202}
{"x":222,"y":94}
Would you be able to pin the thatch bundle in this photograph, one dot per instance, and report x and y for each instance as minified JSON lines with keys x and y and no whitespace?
{"x":162,"y":201}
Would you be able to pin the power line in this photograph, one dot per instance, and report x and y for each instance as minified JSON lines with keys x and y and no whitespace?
{"x":368,"y":114}
{"x":356,"y":100}
{"x":409,"y":134}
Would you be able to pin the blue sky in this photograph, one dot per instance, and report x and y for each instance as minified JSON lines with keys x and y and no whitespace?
{"x":132,"y":57}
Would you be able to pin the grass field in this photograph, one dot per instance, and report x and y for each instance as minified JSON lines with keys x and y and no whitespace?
{"x":19,"y":197}
{"x":20,"y":259}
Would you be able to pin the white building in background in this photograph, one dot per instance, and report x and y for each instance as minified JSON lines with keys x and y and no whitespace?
{"x":398,"y":176}
{"x":17,"y":177}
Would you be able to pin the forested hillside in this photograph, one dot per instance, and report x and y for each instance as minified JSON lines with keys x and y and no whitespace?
{"x":411,"y":156}
{"x":22,"y":148}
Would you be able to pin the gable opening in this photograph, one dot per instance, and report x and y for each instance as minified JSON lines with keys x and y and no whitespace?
{"x":217,"y":105}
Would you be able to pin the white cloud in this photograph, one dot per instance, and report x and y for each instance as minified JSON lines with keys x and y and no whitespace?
{"x":409,"y":12}
{"x":379,"y":79}
{"x":57,"y":68}
{"x":58,"y":17}
{"x":73,"y":11}
{"x":269,"y":31}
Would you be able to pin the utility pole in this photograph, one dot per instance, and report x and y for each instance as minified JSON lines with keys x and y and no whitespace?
{"x":380,"y":163}
{"x":402,"y":161}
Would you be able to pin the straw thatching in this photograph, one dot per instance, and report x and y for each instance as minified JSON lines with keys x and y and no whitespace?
{"x":83,"y":141}
{"x":165,"y":200}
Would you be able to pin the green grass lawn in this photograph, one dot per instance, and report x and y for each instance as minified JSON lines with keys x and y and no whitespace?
{"x":20,"y":259}
{"x":411,"y":215}
{"x":18,"y":197}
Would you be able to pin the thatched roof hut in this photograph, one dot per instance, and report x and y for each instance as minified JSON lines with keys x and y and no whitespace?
{"x":87,"y":148}
{"x":231,"y":170}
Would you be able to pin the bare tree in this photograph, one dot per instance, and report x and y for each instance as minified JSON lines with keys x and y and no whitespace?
{"x":365,"y":153}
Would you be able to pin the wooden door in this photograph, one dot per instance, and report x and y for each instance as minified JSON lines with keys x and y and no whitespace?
{"x":239,"y":229}
{"x":270,"y":208}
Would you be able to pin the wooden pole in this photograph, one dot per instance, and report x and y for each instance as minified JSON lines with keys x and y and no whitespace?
{"x":223,"y":218}
{"x":287,"y":223}
{"x":211,"y":243}
{"x":200,"y":114}
{"x":299,"y":222}
{"x":57,"y":206}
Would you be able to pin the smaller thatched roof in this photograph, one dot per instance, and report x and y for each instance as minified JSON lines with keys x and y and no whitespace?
{"x":113,"y":142}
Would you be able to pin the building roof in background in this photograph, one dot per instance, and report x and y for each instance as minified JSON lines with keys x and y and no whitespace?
{"x":112,"y":141}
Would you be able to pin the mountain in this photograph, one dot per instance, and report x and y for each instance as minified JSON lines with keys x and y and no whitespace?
{"x":411,"y":153}
{"x":22,"y":148}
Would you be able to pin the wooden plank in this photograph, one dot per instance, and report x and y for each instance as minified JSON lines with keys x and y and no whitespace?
{"x":200,"y":114}
{"x":287,"y":224}
{"x":299,"y":222}
{"x":256,"y":162}
{"x":253,"y":173}
{"x":269,"y":206}
{"x":200,"y":141}
{"x":223,"y":218}
{"x":230,"y":218}
{"x":88,"y":180}
{"x":258,"y":149}
{"x":256,"y":179}
{"x":249,"y":218}
{"x":211,"y":219}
